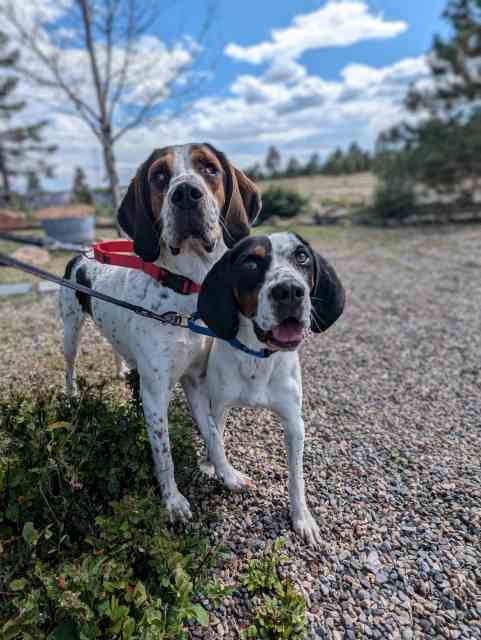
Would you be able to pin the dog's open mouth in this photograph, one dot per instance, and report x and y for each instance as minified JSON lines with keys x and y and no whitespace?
{"x":287,"y":335}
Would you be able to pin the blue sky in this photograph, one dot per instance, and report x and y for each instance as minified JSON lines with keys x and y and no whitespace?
{"x":251,"y":21}
{"x":305,"y":75}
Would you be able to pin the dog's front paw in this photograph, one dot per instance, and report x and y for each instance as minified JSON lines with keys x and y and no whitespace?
{"x":178,"y":508}
{"x":306,"y":527}
{"x":235,"y":480}
{"x":207,"y":468}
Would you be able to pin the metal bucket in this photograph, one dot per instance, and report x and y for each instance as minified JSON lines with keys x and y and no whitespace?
{"x":72,"y":230}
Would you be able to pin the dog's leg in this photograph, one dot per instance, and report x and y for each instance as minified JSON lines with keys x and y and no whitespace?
{"x":121,"y":369}
{"x":233,"y":479}
{"x":73,"y":320}
{"x":302,"y":520}
{"x":155,"y":398}
{"x":196,"y":391}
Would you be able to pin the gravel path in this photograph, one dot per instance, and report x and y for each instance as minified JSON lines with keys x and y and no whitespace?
{"x":393,"y":417}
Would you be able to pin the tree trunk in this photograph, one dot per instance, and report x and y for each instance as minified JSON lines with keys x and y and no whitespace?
{"x":111,"y":170}
{"x":112,"y":175}
{"x":5,"y":177}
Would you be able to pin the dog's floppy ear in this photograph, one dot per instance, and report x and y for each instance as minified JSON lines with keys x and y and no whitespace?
{"x":327,"y":294}
{"x":242,"y":201}
{"x":217,"y":305}
{"x":136,"y":217}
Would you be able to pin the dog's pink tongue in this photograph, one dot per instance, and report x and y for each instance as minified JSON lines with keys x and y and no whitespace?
{"x":288,"y":331}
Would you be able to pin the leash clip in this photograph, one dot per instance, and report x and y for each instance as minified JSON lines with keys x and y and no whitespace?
{"x":175,"y":319}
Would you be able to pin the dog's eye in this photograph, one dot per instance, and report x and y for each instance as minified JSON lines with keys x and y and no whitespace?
{"x":160,"y":176}
{"x":211,"y":169}
{"x":302,"y":257}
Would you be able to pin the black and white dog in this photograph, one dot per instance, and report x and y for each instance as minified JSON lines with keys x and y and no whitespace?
{"x":266,"y":291}
{"x":185,"y":206}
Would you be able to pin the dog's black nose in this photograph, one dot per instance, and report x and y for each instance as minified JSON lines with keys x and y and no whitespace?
{"x":186,"y":196}
{"x":287,"y":293}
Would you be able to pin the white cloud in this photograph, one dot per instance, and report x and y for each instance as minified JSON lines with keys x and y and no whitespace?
{"x":283,"y":105}
{"x":154,"y":67}
{"x":299,"y":117}
{"x":337,"y":23}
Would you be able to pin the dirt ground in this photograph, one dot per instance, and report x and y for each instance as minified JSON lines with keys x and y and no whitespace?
{"x":392,"y":462}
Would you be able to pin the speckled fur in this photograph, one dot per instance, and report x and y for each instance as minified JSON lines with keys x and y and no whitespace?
{"x":234,"y":380}
{"x":163,"y":355}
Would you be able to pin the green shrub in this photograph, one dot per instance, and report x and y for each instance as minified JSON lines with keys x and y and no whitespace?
{"x":84,"y":543}
{"x":85,"y":548}
{"x":282,"y":610}
{"x":394,"y":199}
{"x":284,"y":203}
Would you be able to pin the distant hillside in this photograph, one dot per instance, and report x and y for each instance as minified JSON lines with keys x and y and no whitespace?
{"x":349,"y":189}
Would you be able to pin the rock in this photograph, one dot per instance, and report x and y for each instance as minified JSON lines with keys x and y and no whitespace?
{"x":32,"y":255}
{"x":330,"y":215}
{"x":12,"y":219}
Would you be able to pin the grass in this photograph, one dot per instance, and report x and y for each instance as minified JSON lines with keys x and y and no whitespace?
{"x":339,"y":190}
{"x":86,"y":551}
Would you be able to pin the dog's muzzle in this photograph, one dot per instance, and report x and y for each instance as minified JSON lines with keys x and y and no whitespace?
{"x":188,"y":203}
{"x":288,"y":301}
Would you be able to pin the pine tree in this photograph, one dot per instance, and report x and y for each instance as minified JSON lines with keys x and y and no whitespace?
{"x":293,"y":168}
{"x":335,"y":163}
{"x":443,"y":151}
{"x":313,"y":165}
{"x":80,"y":190}
{"x":273,"y":160}
{"x":33,"y":183}
{"x":255,"y":172}
{"x":455,"y":65}
{"x":22,"y":149}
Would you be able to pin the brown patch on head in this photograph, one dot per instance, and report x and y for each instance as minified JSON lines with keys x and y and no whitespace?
{"x":241,"y":198}
{"x":247,"y":302}
{"x":159,"y":175}
{"x":260,"y":251}
{"x":206,"y":163}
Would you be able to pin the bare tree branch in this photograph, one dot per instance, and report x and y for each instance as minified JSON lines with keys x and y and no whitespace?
{"x":109,"y":33}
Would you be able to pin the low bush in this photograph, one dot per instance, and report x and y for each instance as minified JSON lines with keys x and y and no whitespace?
{"x":84,"y":544}
{"x":394,"y":199}
{"x":281,"y":612}
{"x":283,"y":203}
{"x":85,"y":548}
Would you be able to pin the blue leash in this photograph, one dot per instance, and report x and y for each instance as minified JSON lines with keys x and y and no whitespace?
{"x":235,"y":343}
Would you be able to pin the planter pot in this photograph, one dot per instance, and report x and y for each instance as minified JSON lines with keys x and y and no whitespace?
{"x":72,"y":230}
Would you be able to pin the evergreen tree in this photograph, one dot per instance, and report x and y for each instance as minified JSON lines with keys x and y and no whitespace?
{"x":313,"y":165}
{"x":255,"y":172}
{"x":355,"y":159}
{"x":22,"y":149}
{"x":33,"y":183}
{"x":293,"y":168}
{"x":273,"y":160}
{"x":444,"y":150}
{"x":80,"y":190}
{"x":455,"y":65}
{"x":335,"y":163}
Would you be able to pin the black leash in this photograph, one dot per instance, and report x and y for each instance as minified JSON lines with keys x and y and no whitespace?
{"x":170,"y":317}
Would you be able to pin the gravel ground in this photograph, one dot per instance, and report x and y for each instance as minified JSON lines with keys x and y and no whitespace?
{"x":393,"y":418}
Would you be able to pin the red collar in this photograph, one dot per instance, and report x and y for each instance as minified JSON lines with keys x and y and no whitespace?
{"x":119,"y":253}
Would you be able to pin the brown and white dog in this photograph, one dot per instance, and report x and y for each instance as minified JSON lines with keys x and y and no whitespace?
{"x":184,"y":208}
